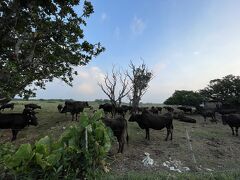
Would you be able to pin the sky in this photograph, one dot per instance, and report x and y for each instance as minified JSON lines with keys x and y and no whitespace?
{"x":185,"y":43}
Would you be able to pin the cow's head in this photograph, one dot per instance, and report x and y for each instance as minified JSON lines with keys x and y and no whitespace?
{"x":30,"y":115}
{"x":59,"y":107}
{"x":64,"y":109}
{"x":86,"y":104}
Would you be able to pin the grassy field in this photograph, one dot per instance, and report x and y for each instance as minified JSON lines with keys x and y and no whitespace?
{"x":213,"y":146}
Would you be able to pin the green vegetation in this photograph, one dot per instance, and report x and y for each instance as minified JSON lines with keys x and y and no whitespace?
{"x":187,"y":98}
{"x":225,"y":90}
{"x":73,"y":155}
{"x":41,"y":40}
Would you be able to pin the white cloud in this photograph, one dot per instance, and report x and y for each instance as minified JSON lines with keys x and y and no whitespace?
{"x":137,"y":26}
{"x":83,"y":74}
{"x":86,"y":88}
{"x":103,"y":16}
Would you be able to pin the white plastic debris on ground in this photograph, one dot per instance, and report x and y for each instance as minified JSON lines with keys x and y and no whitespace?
{"x":175,"y":165}
{"x":147,"y":161}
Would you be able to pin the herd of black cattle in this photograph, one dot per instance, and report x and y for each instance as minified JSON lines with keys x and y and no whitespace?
{"x":147,"y":118}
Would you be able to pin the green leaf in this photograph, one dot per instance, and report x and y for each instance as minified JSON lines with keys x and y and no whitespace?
{"x":53,"y":159}
{"x":40,"y":161}
{"x":22,"y":156}
{"x":84,"y":120}
{"x":43,"y":146}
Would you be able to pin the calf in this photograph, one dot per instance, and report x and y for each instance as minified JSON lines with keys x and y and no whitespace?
{"x":5,"y":106}
{"x":74,"y":107}
{"x":119,"y":128}
{"x":59,"y":107}
{"x":148,"y":120}
{"x":32,"y":106}
{"x":233,"y":120}
{"x":17,"y":121}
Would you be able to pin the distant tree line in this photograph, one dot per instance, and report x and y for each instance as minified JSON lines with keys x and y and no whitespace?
{"x":225,"y":90}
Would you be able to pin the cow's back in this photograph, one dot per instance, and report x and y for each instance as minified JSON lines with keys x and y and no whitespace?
{"x":8,"y":121}
{"x":157,"y":122}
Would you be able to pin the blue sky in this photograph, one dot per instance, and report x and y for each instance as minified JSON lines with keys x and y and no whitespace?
{"x":186,"y":43}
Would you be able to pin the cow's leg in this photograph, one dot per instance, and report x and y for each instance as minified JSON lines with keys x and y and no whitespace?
{"x":236,"y":128}
{"x":171,"y":131}
{"x":168,"y":132}
{"x":147,"y":134}
{"x":214,"y":117}
{"x":76,"y":116}
{"x":72,"y":116}
{"x":120,"y":144}
{"x":232,"y":130}
{"x":14,"y":134}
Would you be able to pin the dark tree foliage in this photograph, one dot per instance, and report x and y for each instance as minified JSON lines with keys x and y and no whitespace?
{"x":140,"y":77}
{"x":41,"y":40}
{"x":186,"y":98}
{"x":225,"y":90}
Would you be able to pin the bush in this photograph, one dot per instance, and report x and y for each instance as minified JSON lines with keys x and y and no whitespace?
{"x":71,"y":156}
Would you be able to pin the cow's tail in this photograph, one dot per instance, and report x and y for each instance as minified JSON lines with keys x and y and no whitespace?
{"x":127,"y":138}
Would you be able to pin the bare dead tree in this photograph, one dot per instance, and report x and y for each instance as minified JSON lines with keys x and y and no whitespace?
{"x":109,"y":87}
{"x":140,"y":77}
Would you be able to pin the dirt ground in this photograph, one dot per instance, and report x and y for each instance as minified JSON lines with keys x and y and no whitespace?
{"x":213,"y":146}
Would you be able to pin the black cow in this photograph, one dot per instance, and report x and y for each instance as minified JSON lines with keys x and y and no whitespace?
{"x":59,"y":107}
{"x":126,"y":108}
{"x":168,"y":108}
{"x":119,"y":128}
{"x":186,"y":119}
{"x":233,"y":120}
{"x":209,"y":113}
{"x":159,"y":109}
{"x":148,"y":120}
{"x":141,"y":109}
{"x":32,"y":106}
{"x":154,"y":110}
{"x":7,"y":106}
{"x":185,"y":109}
{"x":17,"y":121}
{"x":74,"y":107}
{"x":107,"y":108}
{"x":123,"y":110}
